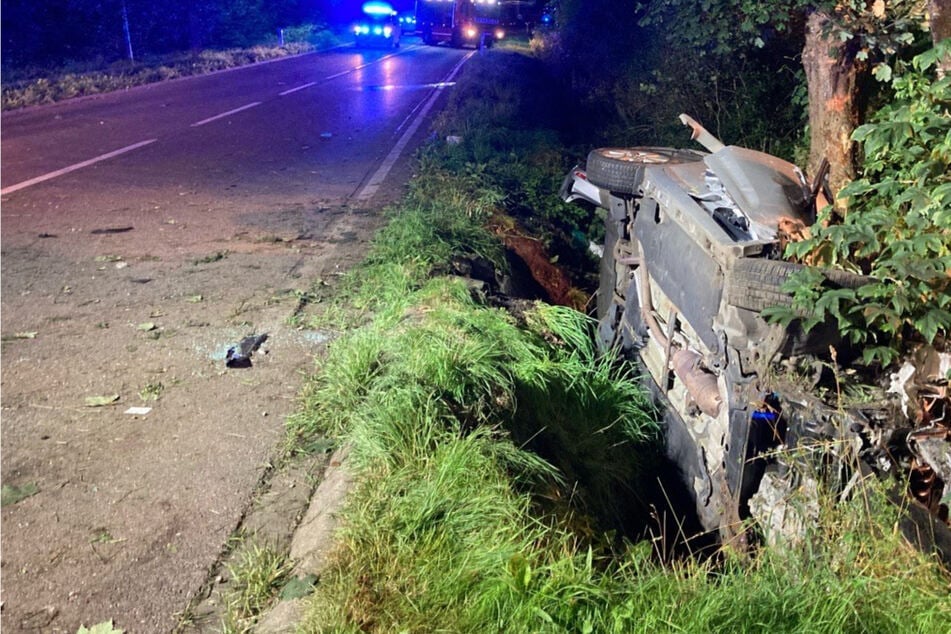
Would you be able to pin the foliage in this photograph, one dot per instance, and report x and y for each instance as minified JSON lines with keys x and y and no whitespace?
{"x":57,"y":31}
{"x":106,"y":627}
{"x":256,"y":576}
{"x":37,"y":85}
{"x":725,"y":27}
{"x":898,"y":229}
{"x":731,"y":65}
{"x":659,"y":68}
{"x":508,"y":114}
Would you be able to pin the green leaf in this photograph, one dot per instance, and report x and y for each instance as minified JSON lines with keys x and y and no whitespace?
{"x":934,"y":321}
{"x":299,"y":587}
{"x":881,"y":354}
{"x":100,"y":401}
{"x":882,"y":72}
{"x":106,"y":627}
{"x":11,"y":494}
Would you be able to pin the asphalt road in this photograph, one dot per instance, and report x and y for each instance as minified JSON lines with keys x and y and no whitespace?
{"x":315,"y":128}
{"x":144,"y":232}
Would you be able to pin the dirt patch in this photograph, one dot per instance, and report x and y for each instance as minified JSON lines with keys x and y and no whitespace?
{"x":131,"y":511}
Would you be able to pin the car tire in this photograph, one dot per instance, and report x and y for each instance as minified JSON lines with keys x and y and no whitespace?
{"x":622,"y":169}
{"x":427,"y":37}
{"x":756,"y":284}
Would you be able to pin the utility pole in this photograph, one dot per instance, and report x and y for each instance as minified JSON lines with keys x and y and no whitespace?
{"x":125,"y":29}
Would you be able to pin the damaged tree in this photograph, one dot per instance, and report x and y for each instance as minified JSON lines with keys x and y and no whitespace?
{"x":833,"y":74}
{"x":845,"y":42}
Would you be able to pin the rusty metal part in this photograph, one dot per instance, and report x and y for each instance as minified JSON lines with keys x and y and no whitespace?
{"x":701,"y":135}
{"x":701,"y":385}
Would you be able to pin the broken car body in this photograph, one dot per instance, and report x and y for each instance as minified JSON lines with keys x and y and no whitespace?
{"x":693,"y":242}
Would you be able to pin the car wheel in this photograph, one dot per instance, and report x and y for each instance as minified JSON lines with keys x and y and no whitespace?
{"x":756,"y":284}
{"x":622,"y":169}
{"x":427,"y":37}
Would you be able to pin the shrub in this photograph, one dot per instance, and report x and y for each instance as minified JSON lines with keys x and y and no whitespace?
{"x":898,"y":226}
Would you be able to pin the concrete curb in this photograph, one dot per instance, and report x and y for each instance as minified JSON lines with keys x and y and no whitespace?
{"x":313,"y":542}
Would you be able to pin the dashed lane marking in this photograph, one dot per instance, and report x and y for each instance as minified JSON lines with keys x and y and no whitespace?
{"x":226,"y":114}
{"x":368,"y":190}
{"x":75,"y":166}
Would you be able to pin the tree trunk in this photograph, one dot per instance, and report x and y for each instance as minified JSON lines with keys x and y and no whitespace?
{"x":940,"y":18}
{"x":832,"y":74}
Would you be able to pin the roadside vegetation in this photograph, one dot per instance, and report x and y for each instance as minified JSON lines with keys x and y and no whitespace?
{"x":897,"y":229}
{"x":463,"y":517}
{"x":30,"y":86}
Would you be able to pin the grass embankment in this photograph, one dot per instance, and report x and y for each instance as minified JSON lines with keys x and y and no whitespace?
{"x":35,"y":86}
{"x":455,"y":526}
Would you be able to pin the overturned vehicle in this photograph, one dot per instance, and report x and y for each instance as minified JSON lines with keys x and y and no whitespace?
{"x":691,"y":258}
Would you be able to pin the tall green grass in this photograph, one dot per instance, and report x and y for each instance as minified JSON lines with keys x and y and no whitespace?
{"x":451,"y":527}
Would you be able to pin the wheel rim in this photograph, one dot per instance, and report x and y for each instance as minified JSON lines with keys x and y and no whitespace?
{"x":635,"y":156}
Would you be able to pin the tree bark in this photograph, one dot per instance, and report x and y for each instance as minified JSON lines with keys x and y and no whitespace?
{"x":939,"y":12}
{"x":832,"y":75}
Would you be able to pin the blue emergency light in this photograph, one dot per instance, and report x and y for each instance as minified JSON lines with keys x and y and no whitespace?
{"x":378,"y":8}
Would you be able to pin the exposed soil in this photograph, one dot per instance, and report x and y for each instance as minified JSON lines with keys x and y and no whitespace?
{"x":132,"y":511}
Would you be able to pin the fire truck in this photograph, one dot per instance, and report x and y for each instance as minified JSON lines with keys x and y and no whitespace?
{"x":459,"y":22}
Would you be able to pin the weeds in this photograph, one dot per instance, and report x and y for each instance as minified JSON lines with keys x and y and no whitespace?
{"x":151,"y":392}
{"x":256,"y":576}
{"x":214,"y":257}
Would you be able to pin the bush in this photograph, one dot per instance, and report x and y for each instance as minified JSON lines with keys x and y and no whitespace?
{"x":898,"y":226}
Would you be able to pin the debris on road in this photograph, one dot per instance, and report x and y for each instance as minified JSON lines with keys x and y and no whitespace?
{"x":108,"y":230}
{"x":100,"y":401}
{"x":240,"y":356}
{"x":11,"y":494}
{"x":138,"y":411}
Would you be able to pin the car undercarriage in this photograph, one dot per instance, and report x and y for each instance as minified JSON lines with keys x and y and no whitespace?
{"x":693,"y":253}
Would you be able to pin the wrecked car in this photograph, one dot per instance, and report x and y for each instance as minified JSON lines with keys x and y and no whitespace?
{"x":691,"y":258}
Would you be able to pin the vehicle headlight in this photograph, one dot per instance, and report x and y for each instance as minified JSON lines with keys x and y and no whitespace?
{"x":387,"y":31}
{"x":377,"y":30}
{"x":470,"y":32}
{"x":499,"y":34}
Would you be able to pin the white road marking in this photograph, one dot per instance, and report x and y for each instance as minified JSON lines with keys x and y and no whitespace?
{"x":74,"y":167}
{"x":292,"y":90}
{"x":365,"y":194}
{"x":379,"y":176}
{"x":226,"y":114}
{"x":341,"y":73}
